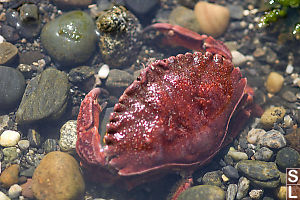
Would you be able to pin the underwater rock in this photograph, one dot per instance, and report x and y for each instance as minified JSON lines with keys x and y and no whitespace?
{"x":70,"y":39}
{"x":208,"y":192}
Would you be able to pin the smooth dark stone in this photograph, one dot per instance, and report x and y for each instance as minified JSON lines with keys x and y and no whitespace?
{"x":287,"y":158}
{"x":12,"y":86}
{"x":34,"y":138}
{"x":231,"y":172}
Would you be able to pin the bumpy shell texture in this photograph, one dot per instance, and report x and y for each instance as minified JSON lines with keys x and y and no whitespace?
{"x":175,"y":115}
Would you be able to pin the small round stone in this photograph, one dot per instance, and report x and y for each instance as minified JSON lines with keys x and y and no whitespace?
{"x":207,"y":192}
{"x":237,"y":155}
{"x":212,"y":18}
{"x":68,"y":136}
{"x":14,"y":191}
{"x":263,"y":154}
{"x":212,"y":178}
{"x":231,"y":172}
{"x":272,"y":115}
{"x":274,"y":82}
{"x":103,"y":71}
{"x":9,"y":138}
{"x":254,"y":135}
{"x":9,"y":176}
{"x":3,"y":196}
{"x":71,"y":38}
{"x":256,"y":194}
{"x":24,"y":144}
{"x":273,"y":139}
{"x":287,"y":158}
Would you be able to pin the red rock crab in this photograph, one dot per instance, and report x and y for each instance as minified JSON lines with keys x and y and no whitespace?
{"x":175,"y":117}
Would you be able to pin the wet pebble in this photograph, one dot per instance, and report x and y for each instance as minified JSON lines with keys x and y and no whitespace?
{"x":238,"y":58}
{"x":28,"y":57}
{"x":68,"y":136}
{"x":184,"y":17}
{"x":10,"y":176}
{"x":289,"y":96}
{"x":262,"y":174}
{"x":3,"y":196}
{"x":254,"y":135}
{"x":256,"y":193}
{"x":4,"y":122}
{"x":10,"y":154}
{"x":49,"y":145}
{"x":118,"y":80}
{"x":231,"y":191}
{"x":67,"y":4}
{"x":24,"y":144}
{"x":281,"y":193}
{"x":70,"y":39}
{"x":212,"y":18}
{"x":263,"y":154}
{"x":273,"y":139}
{"x":119,"y":33}
{"x":58,"y":177}
{"x":81,"y":75}
{"x":103,"y":71}
{"x":141,"y":7}
{"x":272,"y":115}
{"x":9,"y":138}
{"x":9,"y":33}
{"x":231,"y":172}
{"x":237,"y":155}
{"x":12,"y":87}
{"x":8,"y":53}
{"x":26,"y":189}
{"x":14,"y":191}
{"x":293,"y":139}
{"x":212,"y":178}
{"x":46,"y":97}
{"x":243,"y":187}
{"x":207,"y":192}
{"x":287,"y":158}
{"x":236,"y":11}
{"x":274,"y":82}
{"x":34,"y":138}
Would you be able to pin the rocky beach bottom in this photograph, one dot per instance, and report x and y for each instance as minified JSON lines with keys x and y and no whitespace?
{"x":53,"y":53}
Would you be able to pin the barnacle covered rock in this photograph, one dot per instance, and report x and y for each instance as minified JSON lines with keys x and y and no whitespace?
{"x":119,"y":36}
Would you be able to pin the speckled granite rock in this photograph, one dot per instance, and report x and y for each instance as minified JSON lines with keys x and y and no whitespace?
{"x":45,"y":97}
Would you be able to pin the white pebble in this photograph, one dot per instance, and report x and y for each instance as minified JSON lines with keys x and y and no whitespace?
{"x":289,"y":69}
{"x":103,"y":71}
{"x":14,"y":191}
{"x":246,"y":12}
{"x":238,"y":58}
{"x":3,"y":196}
{"x":9,"y":138}
{"x":2,"y":39}
{"x":288,"y":121}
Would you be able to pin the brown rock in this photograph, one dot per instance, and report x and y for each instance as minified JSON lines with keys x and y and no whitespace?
{"x":10,"y":176}
{"x":212,"y":18}
{"x":293,"y":139}
{"x":274,"y":82}
{"x":8,"y":52}
{"x":58,"y":177}
{"x":27,"y":189}
{"x":272,"y":115}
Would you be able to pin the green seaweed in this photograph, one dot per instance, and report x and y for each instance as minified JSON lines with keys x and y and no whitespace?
{"x":279,"y":9}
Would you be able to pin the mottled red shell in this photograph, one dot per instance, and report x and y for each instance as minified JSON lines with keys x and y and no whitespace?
{"x":175,"y":115}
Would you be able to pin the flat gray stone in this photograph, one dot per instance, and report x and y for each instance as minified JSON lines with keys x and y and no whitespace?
{"x":45,"y":97}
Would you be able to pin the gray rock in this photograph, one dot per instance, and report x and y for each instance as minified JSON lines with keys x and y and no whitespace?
{"x":289,"y":96}
{"x":29,"y":13}
{"x":231,"y":192}
{"x":4,"y":119}
{"x":49,"y":145}
{"x":8,"y":53}
{"x":272,"y":139}
{"x":68,"y":136}
{"x":141,"y":6}
{"x":231,"y":172}
{"x":236,"y":12}
{"x":27,"y":172}
{"x":256,"y":193}
{"x":12,"y":86}
{"x":79,"y":74}
{"x":10,"y":154}
{"x":212,"y":178}
{"x":23,"y":144}
{"x":34,"y":138}
{"x":207,"y":192}
{"x":45,"y":97}
{"x":287,"y":158}
{"x":118,"y":80}
{"x":262,"y":174}
{"x":70,"y":39}
{"x":263,"y":154}
{"x":243,"y":187}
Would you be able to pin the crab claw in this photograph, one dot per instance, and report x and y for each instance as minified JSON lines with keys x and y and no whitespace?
{"x":178,"y":36}
{"x":88,"y":145}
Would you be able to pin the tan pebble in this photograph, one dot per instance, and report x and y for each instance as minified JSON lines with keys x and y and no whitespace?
{"x":281,"y":193}
{"x":274,"y":82}
{"x":10,"y":176}
{"x":26,"y":189}
{"x":58,"y":176}
{"x":271,"y":115}
{"x":254,"y":135}
{"x":212,"y":18}
{"x":225,"y":178}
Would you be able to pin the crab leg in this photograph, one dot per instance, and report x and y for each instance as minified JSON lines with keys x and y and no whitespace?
{"x":88,"y":145}
{"x":179,"y":36}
